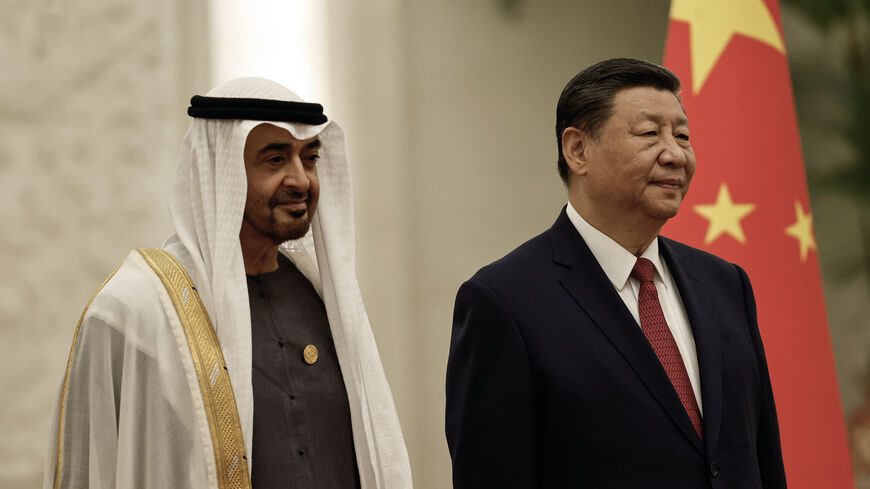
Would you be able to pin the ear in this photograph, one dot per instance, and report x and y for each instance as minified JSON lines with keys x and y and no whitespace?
{"x":575,"y":145}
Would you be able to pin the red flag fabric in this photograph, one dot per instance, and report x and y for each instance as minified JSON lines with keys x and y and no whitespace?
{"x":748,"y":203}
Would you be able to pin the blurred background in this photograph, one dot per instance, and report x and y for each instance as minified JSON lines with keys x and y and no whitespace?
{"x":449,"y":109}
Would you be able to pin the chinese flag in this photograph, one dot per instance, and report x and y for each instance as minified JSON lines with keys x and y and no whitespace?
{"x":748,"y":203}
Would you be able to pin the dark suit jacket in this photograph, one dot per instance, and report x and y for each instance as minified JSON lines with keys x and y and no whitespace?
{"x":552,"y":384}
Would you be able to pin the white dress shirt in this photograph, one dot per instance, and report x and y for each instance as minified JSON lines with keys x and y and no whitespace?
{"x":617,"y":263}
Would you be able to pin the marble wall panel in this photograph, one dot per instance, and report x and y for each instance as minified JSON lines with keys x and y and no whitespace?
{"x":92,"y":99}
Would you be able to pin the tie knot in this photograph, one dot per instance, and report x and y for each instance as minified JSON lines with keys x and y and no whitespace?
{"x":643,"y":270}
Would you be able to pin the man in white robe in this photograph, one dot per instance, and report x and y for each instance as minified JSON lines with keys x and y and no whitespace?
{"x":134,"y":409}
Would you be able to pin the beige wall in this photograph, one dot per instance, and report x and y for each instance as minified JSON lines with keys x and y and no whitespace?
{"x":92,"y":99}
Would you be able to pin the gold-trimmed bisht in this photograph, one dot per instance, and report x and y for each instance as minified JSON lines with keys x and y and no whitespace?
{"x":211,"y":371}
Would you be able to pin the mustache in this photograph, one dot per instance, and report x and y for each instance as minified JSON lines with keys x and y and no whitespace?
{"x":287,"y":197}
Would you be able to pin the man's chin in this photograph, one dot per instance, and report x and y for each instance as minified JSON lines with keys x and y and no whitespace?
{"x":664,"y":211}
{"x":291,"y":231}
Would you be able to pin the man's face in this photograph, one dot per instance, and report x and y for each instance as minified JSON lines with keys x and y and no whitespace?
{"x":282,"y":184}
{"x":642,"y":163}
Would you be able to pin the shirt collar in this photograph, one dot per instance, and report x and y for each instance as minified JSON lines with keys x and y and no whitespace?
{"x":616,"y":261}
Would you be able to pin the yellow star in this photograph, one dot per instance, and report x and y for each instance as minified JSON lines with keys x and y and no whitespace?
{"x":712,"y":23}
{"x":802,"y":230}
{"x":724,"y":216}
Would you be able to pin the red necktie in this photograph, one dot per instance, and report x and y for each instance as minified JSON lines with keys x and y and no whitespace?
{"x":654,"y":326}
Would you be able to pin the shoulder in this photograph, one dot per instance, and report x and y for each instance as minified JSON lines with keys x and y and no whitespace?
{"x":518,"y":281}
{"x":128,"y":301}
{"x":699,"y":262}
{"x":519,"y":264}
{"x":129,"y":284}
{"x":693,"y":255}
{"x":531,"y":269}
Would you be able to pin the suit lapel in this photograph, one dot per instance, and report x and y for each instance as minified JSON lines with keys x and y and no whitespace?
{"x":589,"y":286}
{"x":701,"y":309}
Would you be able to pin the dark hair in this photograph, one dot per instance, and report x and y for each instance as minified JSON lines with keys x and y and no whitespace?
{"x":587,"y":100}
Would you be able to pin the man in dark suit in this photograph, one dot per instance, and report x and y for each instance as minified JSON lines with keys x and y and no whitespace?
{"x":599,"y":354}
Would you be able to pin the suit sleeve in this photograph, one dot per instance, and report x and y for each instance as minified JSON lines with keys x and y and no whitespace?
{"x":767,"y":442}
{"x":490,"y":419}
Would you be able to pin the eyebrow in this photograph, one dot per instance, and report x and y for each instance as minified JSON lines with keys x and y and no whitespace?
{"x":273,"y":147}
{"x":282,"y":146}
{"x":652,"y":116}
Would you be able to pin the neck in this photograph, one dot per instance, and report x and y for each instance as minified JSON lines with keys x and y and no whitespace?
{"x":259,"y":252}
{"x":635,"y":234}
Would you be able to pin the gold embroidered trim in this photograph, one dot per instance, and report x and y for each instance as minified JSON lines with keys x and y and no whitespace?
{"x":65,"y":388}
{"x":211,"y":370}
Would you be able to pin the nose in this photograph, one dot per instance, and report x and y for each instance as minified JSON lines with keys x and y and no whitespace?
{"x":673,"y":153}
{"x":295,"y":176}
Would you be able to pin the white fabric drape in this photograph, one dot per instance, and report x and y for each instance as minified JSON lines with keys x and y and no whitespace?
{"x":206,"y":204}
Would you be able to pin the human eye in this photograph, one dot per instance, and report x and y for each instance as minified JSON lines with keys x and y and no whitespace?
{"x":684,"y":136}
{"x":312,"y":158}
{"x":275,"y":159}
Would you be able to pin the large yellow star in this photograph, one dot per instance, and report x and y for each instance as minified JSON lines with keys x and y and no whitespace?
{"x":724,"y":216}
{"x":712,"y":23}
{"x":802,"y":230}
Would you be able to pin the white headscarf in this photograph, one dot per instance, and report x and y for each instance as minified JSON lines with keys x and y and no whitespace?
{"x":207,"y":204}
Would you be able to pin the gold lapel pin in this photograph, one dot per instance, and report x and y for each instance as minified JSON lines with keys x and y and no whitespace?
{"x":309,"y":354}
